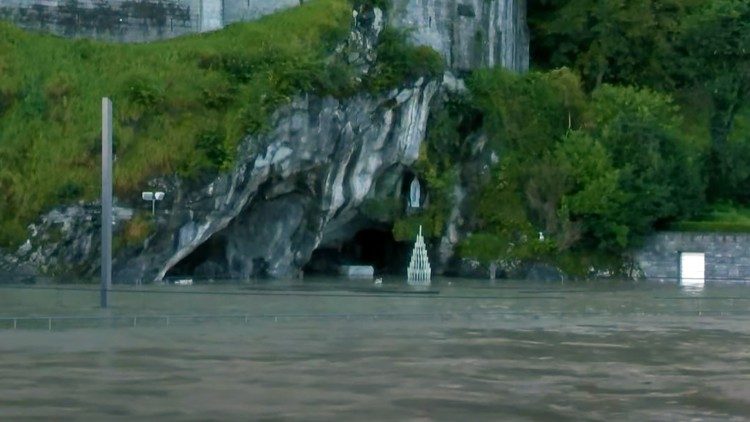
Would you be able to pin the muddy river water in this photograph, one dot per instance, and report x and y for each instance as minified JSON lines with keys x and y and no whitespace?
{"x":334,"y":350}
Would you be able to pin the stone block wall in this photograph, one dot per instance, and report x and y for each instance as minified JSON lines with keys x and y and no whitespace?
{"x":111,"y":20}
{"x":134,"y":20}
{"x":727,"y":255}
{"x":247,"y":10}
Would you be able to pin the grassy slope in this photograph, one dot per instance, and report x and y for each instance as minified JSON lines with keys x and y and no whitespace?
{"x":180,"y":105}
{"x":719,"y":218}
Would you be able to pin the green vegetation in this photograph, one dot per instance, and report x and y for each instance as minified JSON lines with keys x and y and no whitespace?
{"x":181,"y":106}
{"x":636,"y":120}
{"x":635,"y":117}
{"x":591,"y":171}
{"x":399,"y":61}
{"x":135,"y":231}
{"x":689,"y":48}
{"x":723,"y":217}
{"x":438,"y":166}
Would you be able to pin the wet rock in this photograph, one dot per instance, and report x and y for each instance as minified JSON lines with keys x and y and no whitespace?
{"x":539,"y":272}
{"x":470,"y":268}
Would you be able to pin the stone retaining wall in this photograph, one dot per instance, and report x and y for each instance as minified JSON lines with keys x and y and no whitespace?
{"x":727,"y":255}
{"x":134,"y":20}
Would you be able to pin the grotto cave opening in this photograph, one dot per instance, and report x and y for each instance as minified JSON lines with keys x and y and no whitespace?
{"x":371,"y":246}
{"x":206,"y":261}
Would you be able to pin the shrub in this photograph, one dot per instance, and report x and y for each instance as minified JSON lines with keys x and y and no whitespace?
{"x":398,"y":61}
{"x":213,"y":145}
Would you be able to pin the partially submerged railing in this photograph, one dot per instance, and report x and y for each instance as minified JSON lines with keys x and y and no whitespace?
{"x":58,"y":323}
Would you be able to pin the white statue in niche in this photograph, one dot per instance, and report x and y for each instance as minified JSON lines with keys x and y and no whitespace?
{"x":415,"y":192}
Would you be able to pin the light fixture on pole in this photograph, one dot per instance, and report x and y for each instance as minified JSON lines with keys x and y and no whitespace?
{"x":153,"y":197}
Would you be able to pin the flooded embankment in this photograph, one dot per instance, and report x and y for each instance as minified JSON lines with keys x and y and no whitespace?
{"x":332,"y":350}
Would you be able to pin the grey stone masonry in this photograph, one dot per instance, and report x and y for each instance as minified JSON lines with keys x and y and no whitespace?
{"x":469,"y":34}
{"x":134,"y":20}
{"x":727,"y":255}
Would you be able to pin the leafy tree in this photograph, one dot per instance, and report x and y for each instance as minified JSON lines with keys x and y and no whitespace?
{"x":614,"y":41}
{"x":659,"y":173}
{"x":592,"y":172}
{"x":716,"y":49}
{"x":594,"y":194}
{"x":527,"y":113}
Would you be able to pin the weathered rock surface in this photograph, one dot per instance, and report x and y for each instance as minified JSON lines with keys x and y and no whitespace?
{"x":303,"y":184}
{"x":320,"y":163}
{"x":469,"y":33}
{"x":292,"y":189}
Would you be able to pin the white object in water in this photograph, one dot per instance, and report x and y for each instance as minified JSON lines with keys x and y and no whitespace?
{"x":692,"y":269}
{"x":357,"y":271}
{"x":378,"y":281}
{"x":419,"y":272}
{"x":184,"y":282}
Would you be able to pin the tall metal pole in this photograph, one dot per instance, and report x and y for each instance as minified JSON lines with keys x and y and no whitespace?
{"x":106,"y":200}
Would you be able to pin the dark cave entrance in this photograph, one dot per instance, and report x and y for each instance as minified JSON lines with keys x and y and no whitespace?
{"x":370,"y":246}
{"x":206,"y":261}
{"x":375,"y":247}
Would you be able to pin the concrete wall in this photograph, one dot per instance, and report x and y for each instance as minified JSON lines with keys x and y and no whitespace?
{"x":245,"y":10}
{"x":727,"y":255}
{"x":134,"y":20}
{"x":112,"y":20}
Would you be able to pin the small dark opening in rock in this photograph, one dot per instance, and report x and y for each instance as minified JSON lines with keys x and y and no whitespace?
{"x":466,"y":10}
{"x":206,"y":261}
{"x":375,"y":247}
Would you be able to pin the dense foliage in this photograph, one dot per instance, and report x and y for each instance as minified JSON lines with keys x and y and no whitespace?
{"x":589,"y":171}
{"x":635,"y":120}
{"x":635,"y":117}
{"x":690,"y":48}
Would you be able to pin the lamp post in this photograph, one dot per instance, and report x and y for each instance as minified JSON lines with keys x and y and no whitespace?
{"x":153,"y":197}
{"x":106,"y":264}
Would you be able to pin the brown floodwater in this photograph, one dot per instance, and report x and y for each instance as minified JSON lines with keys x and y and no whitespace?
{"x":334,"y":350}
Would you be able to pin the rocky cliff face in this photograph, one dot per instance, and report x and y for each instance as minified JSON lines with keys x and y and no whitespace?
{"x":323,"y":159}
{"x":291,"y":190}
{"x":469,"y":33}
{"x":303,"y":185}
{"x":301,"y":189}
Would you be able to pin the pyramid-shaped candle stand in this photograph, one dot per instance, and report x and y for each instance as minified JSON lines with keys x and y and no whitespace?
{"x":419,"y":271}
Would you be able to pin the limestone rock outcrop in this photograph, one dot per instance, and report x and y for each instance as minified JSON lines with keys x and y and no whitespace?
{"x":303,"y":184}
{"x":323,"y":159}
{"x":469,"y":33}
